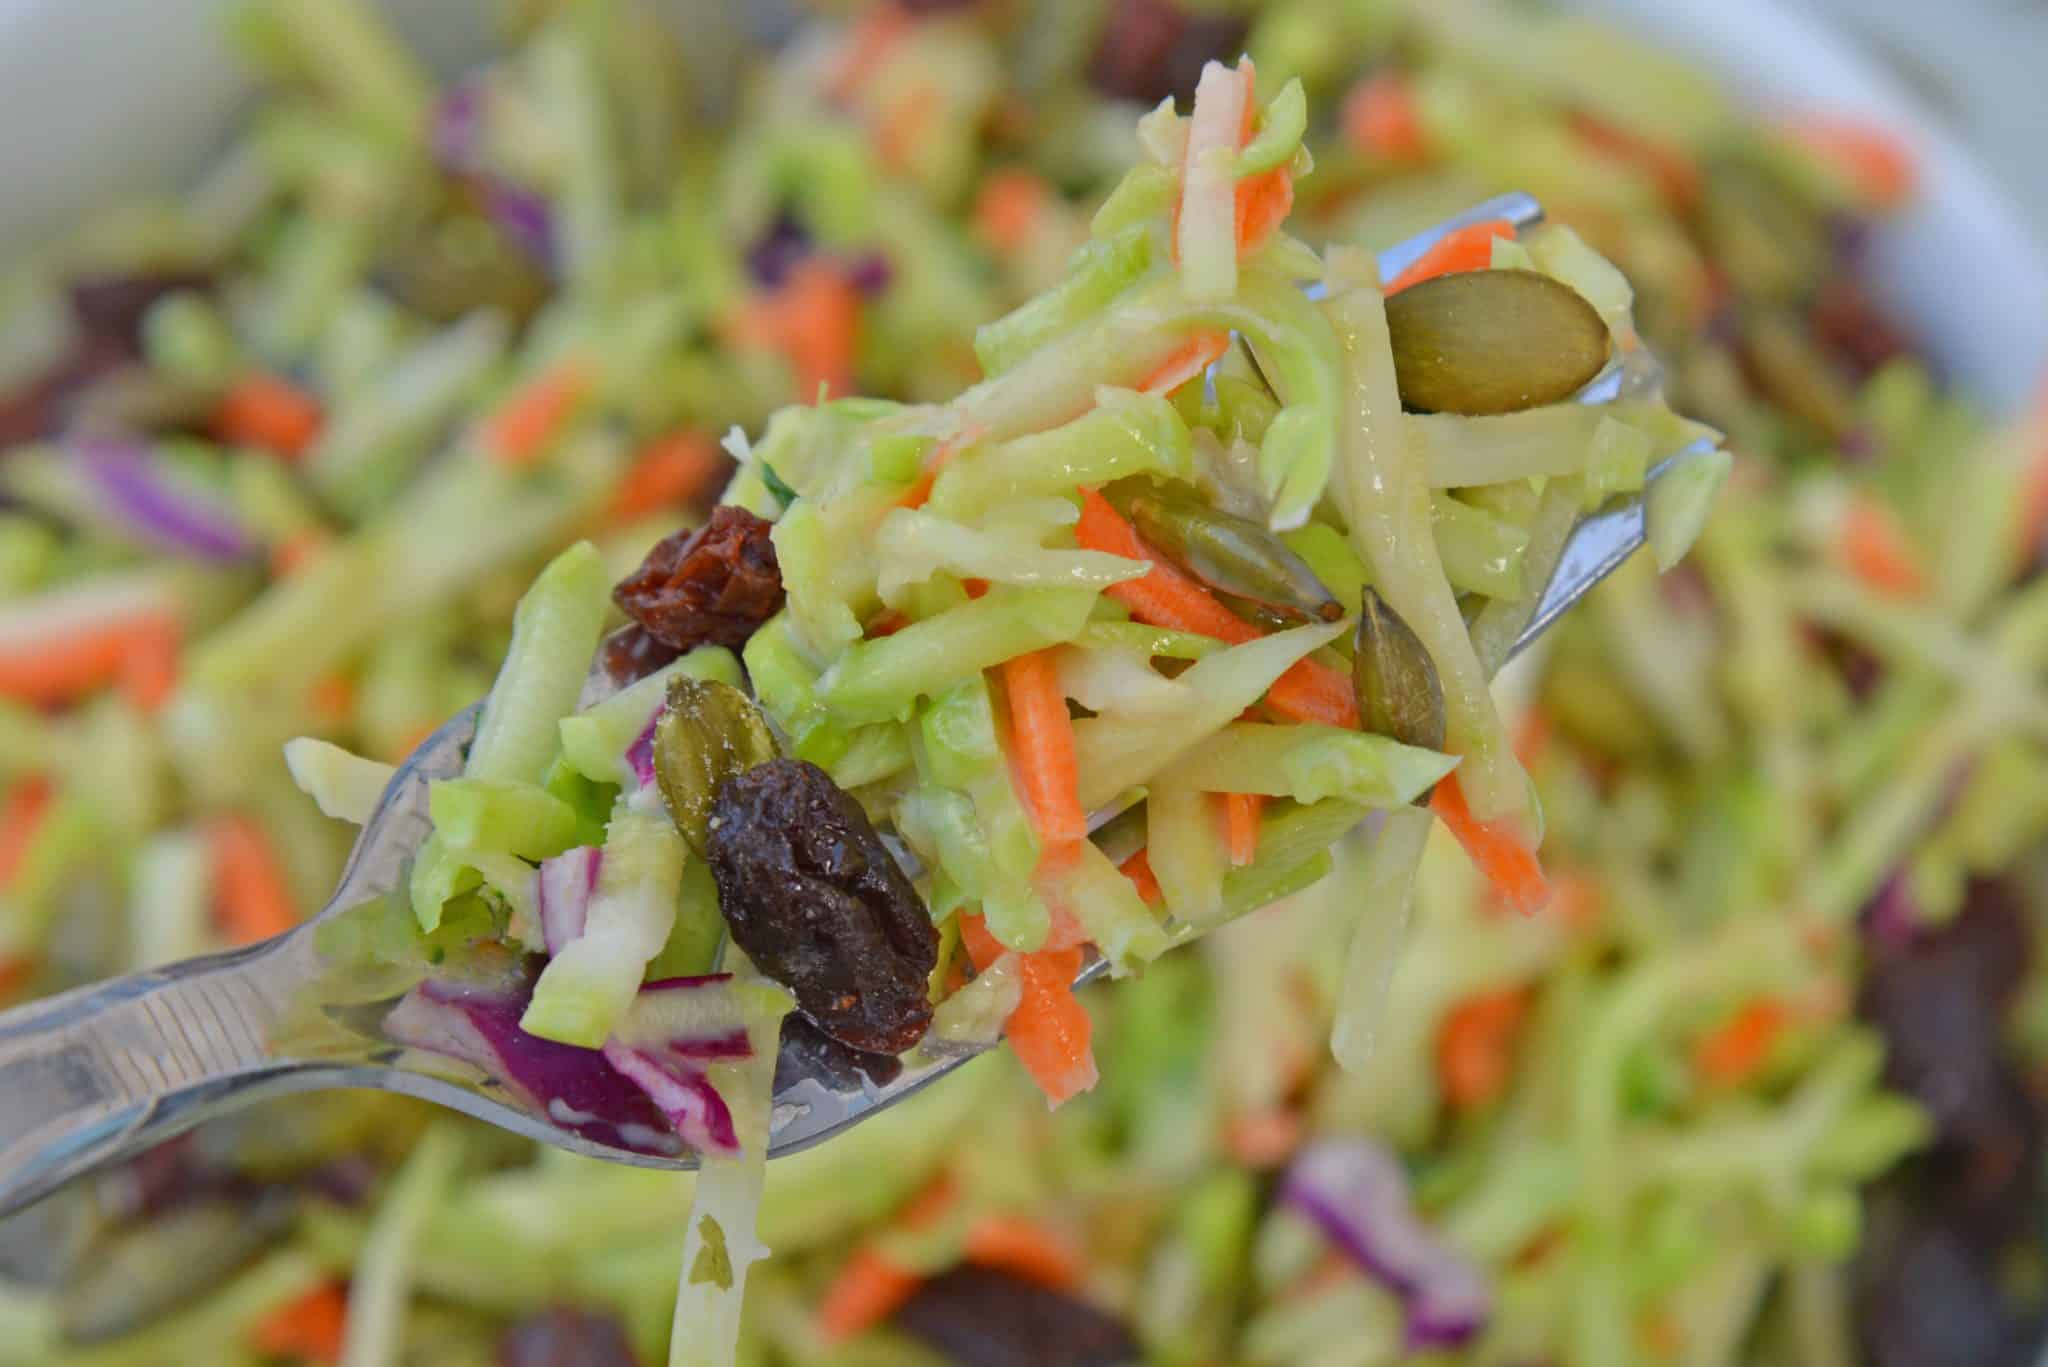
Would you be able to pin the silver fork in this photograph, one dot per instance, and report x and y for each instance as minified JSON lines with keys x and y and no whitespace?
{"x":97,"y":1074}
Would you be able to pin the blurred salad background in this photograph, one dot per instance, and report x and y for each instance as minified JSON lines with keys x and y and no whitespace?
{"x":282,"y":449}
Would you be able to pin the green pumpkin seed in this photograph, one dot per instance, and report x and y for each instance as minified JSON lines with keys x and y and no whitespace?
{"x":1230,"y":554}
{"x":710,"y":732}
{"x":1483,"y":342}
{"x":1399,"y":693}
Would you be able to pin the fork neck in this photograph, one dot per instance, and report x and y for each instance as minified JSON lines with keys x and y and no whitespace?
{"x":96,"y":1074}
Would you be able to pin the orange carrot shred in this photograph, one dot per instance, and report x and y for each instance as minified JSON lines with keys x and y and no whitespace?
{"x":1677,"y":175}
{"x":270,"y":412}
{"x":149,"y":670}
{"x":28,"y":805}
{"x":1050,"y":1031}
{"x":903,"y":123}
{"x":1048,"y":774}
{"x":1138,"y":868}
{"x":1009,"y":208}
{"x":1241,"y":826}
{"x":920,"y":491}
{"x":1187,"y":361}
{"x":1874,"y":159}
{"x":872,"y":1285}
{"x":1874,"y":548}
{"x":1263,"y":1138}
{"x":76,"y":660}
{"x":1733,"y":1052}
{"x":1380,"y":117}
{"x":313,"y":1327}
{"x":13,"y":974}
{"x":519,"y":432}
{"x":1474,"y":1046}
{"x":251,"y":895}
{"x":869,"y":1288}
{"x":1466,"y":249}
{"x":668,"y":472}
{"x":1502,"y":856}
{"x":1309,"y":691}
{"x":295,"y":552}
{"x":874,"y":35}
{"x":1025,"y":1249}
{"x":813,"y":320}
{"x":332,"y":698}
{"x":1262,"y":205}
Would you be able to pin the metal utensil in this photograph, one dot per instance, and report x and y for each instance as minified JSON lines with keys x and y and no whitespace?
{"x":96,"y":1074}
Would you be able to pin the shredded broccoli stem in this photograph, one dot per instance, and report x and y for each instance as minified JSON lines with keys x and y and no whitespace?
{"x":1387,"y":501}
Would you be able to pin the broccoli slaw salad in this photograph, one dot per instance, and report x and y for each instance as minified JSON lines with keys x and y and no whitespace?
{"x":1163,"y":591}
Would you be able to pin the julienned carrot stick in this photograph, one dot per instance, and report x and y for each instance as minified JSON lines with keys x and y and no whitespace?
{"x":1505,"y":860}
{"x":519,"y":432}
{"x":869,"y":1288}
{"x":905,"y":121}
{"x":1874,"y":159}
{"x":76,"y":659}
{"x":1241,"y":827}
{"x":1023,"y":1248}
{"x":1050,"y":1031}
{"x":1677,"y":175}
{"x":1475,"y":1046}
{"x":813,"y":320}
{"x":1733,"y":1052}
{"x":1187,"y":361}
{"x":251,"y":895}
{"x":668,"y":472}
{"x":312,"y":1328}
{"x":28,"y":803}
{"x":267,"y":411}
{"x":1380,"y":117}
{"x":920,"y":490}
{"x":1009,"y":209}
{"x":872,"y":1285}
{"x":1049,"y":777}
{"x":1138,"y":868}
{"x":1874,"y":548}
{"x":149,"y":671}
{"x":1466,"y":249}
{"x":874,"y":36}
{"x":1166,"y":597}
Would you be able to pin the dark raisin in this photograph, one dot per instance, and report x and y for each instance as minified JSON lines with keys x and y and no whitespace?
{"x":817,"y":902}
{"x":1852,"y":327}
{"x":807,"y":1051}
{"x":1151,"y":49}
{"x":709,"y":586}
{"x":113,"y":306}
{"x":632,"y":653}
{"x":1930,"y":1280}
{"x":981,"y":1318}
{"x":565,"y":1337}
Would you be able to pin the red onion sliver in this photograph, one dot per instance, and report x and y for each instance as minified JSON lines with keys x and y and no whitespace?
{"x":1357,"y":1192}
{"x":131,"y":487}
{"x":684,"y":1095}
{"x":577,"y":1088}
{"x":565,"y":887}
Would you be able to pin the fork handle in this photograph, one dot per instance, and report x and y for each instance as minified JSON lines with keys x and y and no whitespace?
{"x":98,"y":1073}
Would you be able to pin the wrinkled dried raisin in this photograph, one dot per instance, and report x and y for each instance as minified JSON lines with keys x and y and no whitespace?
{"x":565,"y":1338}
{"x":710,"y":586}
{"x":113,"y":306}
{"x":817,"y":902}
{"x":982,"y":1318}
{"x":632,"y":653}
{"x":1152,"y":49}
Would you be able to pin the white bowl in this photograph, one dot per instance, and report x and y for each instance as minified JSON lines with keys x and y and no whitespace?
{"x":104,"y":95}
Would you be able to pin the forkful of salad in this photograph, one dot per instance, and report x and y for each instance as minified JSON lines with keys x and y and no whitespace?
{"x":953,"y":707}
